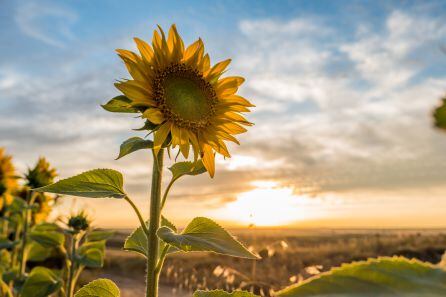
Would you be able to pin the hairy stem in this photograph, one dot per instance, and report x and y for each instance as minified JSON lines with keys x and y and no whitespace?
{"x":138,"y":213}
{"x":166,"y":192}
{"x":154,"y":223}
{"x":72,"y":268}
{"x":26,"y":217}
{"x":163,"y":255}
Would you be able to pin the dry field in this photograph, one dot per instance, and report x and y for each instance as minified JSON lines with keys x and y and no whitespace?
{"x":288,"y":256}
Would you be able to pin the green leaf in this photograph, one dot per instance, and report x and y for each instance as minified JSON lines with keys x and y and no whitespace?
{"x":137,"y":241}
{"x":99,"y":288}
{"x":133,"y":144}
{"x":119,"y":104}
{"x":92,"y":245}
{"x":440,"y":115}
{"x":384,"y":277}
{"x":203,"y":234}
{"x":97,"y":183}
{"x":187,"y":168}
{"x":91,"y":254}
{"x":41,"y":282}
{"x":44,"y":227}
{"x":91,"y":258}
{"x":147,"y":126}
{"x":221,"y":293}
{"x":99,"y":235}
{"x":48,"y":239}
{"x":37,"y":252}
{"x":6,"y":243}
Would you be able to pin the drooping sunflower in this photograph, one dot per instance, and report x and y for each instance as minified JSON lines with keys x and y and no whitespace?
{"x":8,"y":180}
{"x":42,"y":174}
{"x":184,"y":98}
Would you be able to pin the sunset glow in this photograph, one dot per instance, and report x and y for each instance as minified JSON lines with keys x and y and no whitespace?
{"x":267,"y":205}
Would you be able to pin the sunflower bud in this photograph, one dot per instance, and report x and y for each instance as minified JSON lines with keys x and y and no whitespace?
{"x":79,"y":222}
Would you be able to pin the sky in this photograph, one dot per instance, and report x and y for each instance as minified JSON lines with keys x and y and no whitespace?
{"x":344,"y":92}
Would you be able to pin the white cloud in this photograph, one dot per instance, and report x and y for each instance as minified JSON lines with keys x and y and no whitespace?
{"x":47,"y":22}
{"x":357,"y":128}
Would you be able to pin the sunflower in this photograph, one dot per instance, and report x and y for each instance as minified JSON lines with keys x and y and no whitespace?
{"x":8,"y":181}
{"x":185,"y":100}
{"x":41,"y":175}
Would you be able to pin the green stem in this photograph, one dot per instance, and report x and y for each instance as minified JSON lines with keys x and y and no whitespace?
{"x":163,"y":255}
{"x":154,"y":223}
{"x":72,"y":268}
{"x":6,"y":224}
{"x":166,"y":192}
{"x":27,"y":213}
{"x":138,"y":213}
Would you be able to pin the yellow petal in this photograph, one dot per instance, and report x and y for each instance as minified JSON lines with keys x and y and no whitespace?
{"x":134,"y":92}
{"x":184,"y":143}
{"x":238,"y":99}
{"x":236,"y":117}
{"x":145,"y":49}
{"x":205,"y":64}
{"x":230,"y":82}
{"x":161,"y":51}
{"x":160,"y":136}
{"x":217,"y":70}
{"x":154,"y":115}
{"x":209,"y":159}
{"x":175,"y":44}
{"x":194,"y":140}
{"x":175,"y":135}
{"x":231,"y":128}
{"x":226,"y":136}
{"x":232,"y":107}
{"x":192,"y":49}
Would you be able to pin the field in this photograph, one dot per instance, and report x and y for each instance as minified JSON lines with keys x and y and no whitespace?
{"x":288,"y":256}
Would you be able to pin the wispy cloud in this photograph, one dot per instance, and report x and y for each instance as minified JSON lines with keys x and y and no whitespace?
{"x":48,"y":22}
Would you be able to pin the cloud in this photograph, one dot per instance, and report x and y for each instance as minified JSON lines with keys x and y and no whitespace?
{"x":337,"y":112}
{"x":46,"y":21}
{"x":374,"y":92}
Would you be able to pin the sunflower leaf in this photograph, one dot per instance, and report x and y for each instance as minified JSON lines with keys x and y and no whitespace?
{"x":137,"y":241}
{"x":41,"y":282}
{"x":187,"y":168}
{"x":221,"y":293}
{"x":101,"y":288}
{"x":91,"y":257}
{"x":99,"y":235}
{"x":48,"y":239}
{"x":440,"y":115}
{"x":385,"y":277}
{"x":119,"y":104}
{"x":97,"y":183}
{"x":203,"y":234}
{"x":133,"y":144}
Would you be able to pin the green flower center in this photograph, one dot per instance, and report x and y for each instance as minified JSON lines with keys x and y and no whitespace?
{"x":184,"y":96}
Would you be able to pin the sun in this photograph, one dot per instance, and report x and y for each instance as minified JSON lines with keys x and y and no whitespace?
{"x":268,"y":205}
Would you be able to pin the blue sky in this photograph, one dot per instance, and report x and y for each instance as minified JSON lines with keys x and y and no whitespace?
{"x":344,"y":92}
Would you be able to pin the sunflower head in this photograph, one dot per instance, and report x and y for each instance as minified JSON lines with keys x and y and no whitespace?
{"x":8,"y":180}
{"x":183,"y":98}
{"x":41,"y":175}
{"x":440,"y":115}
{"x":79,"y":222}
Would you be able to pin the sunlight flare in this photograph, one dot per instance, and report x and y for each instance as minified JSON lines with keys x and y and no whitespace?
{"x":268,"y":204}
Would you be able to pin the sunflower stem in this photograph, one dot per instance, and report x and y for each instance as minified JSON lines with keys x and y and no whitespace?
{"x":72,"y":267}
{"x":154,"y":223}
